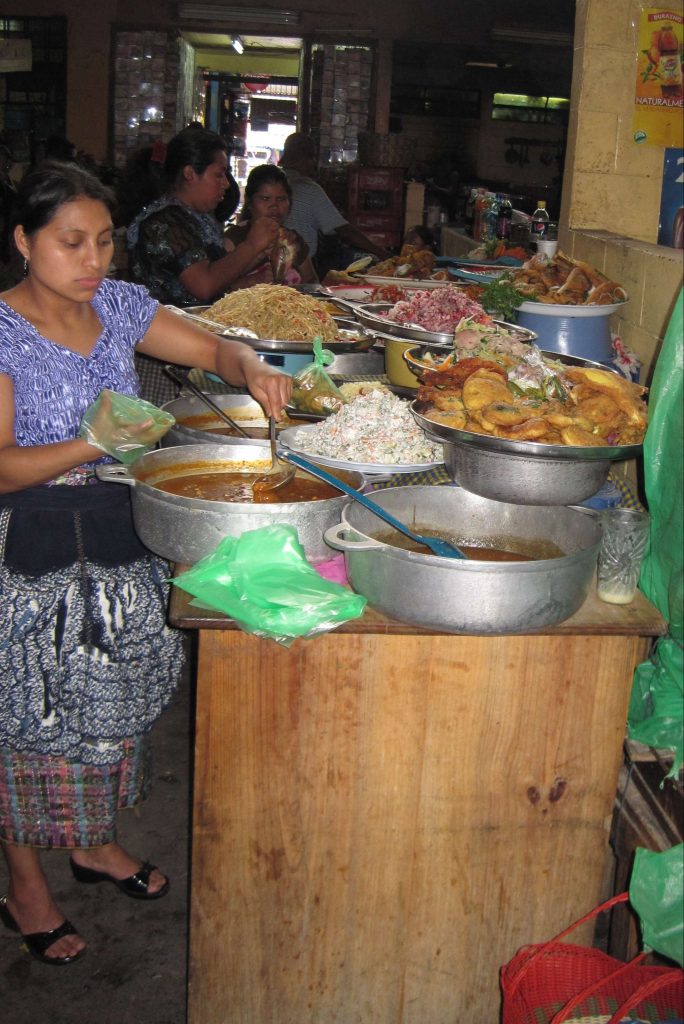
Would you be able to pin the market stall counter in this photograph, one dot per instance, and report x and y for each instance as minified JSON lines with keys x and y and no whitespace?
{"x":384,"y":814}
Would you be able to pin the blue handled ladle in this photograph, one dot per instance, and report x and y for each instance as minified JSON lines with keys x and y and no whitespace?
{"x":442,"y":548}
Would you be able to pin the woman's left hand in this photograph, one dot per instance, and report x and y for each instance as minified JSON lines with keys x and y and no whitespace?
{"x":271,"y":388}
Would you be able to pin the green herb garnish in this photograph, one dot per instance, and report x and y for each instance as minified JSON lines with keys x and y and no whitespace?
{"x":502,"y":297}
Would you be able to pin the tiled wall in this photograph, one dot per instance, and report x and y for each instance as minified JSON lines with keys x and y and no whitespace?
{"x":612,"y":185}
{"x":652,"y":276}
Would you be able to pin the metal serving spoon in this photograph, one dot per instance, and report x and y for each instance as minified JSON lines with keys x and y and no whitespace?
{"x":442,"y":548}
{"x":184,"y":381}
{"x":214,"y":325}
{"x":280,"y":473}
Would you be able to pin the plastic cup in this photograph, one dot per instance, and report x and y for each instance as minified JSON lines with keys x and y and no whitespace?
{"x":625,"y":532}
{"x":547,"y":246}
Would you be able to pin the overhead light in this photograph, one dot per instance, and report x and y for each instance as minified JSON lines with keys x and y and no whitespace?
{"x":230,"y":15}
{"x":520,"y":34}
{"x":237,"y":44}
{"x":498,"y":65}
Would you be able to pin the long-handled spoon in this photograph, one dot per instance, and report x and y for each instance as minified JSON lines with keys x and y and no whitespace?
{"x":280,"y":473}
{"x":184,"y":381}
{"x":442,"y":548}
{"x":213,"y":325}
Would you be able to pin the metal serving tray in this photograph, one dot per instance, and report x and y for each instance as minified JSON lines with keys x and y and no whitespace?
{"x":352,"y":338}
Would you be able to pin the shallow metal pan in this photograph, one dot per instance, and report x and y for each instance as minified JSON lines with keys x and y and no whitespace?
{"x":352,"y":337}
{"x":370,"y":315}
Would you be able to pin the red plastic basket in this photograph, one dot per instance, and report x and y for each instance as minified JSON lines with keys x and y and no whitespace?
{"x":558,"y":983}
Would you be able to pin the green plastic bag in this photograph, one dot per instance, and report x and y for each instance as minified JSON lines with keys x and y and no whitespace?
{"x":123,"y":426}
{"x":656,"y":891}
{"x":656,"y":711}
{"x":263,"y":581}
{"x":312,"y":389}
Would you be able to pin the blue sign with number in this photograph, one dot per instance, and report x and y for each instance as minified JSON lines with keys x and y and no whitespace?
{"x":671,"y":226}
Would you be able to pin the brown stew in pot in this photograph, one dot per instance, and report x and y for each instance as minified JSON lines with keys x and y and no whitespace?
{"x":495,"y":550}
{"x":213,"y":425}
{"x":237,"y":487}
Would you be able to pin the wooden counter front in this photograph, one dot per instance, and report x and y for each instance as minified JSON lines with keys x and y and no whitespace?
{"x":384,"y":815}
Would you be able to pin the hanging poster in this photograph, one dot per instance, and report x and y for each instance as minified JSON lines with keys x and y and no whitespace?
{"x":658,"y":93}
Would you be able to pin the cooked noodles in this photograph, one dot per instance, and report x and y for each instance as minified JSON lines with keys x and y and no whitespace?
{"x":275,"y":311}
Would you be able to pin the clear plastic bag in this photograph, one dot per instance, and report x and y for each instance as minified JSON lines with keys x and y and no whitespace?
{"x":312,"y":389}
{"x":263,"y":581}
{"x":123,"y":426}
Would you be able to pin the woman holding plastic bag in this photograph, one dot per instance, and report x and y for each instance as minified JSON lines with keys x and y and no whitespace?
{"x":86,"y":659}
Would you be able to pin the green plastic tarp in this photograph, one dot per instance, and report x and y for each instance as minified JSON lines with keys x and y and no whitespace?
{"x":656,"y":712}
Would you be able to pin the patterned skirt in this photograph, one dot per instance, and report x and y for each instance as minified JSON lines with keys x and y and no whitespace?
{"x":52,"y":802}
{"x":87,"y":664}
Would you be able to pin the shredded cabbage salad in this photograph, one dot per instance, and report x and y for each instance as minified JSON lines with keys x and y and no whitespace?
{"x":376,"y":428}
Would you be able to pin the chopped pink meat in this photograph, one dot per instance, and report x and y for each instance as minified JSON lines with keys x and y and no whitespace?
{"x":440,"y":310}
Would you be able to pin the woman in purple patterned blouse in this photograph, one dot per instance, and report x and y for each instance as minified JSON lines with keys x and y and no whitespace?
{"x":87,"y":661}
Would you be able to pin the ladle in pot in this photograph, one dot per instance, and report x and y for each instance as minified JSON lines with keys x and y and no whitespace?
{"x":184,"y":381}
{"x":439,"y":547}
{"x":280,"y":474}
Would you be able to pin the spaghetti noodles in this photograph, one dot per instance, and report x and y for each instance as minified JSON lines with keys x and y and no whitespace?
{"x":274,"y":311}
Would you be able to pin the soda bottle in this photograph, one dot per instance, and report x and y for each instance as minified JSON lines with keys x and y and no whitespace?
{"x":669,"y":65}
{"x":480,"y":204}
{"x":504,"y":217}
{"x":540,"y":219}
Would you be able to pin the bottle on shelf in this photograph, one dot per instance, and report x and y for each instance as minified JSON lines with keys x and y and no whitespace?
{"x":669,"y":64}
{"x":504,"y":217}
{"x":479,"y":213}
{"x":539,"y":222}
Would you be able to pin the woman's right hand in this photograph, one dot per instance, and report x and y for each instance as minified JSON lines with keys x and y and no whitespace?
{"x":262,"y":234}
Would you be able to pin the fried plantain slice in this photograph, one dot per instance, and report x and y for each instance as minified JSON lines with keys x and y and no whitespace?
{"x":450,"y":418}
{"x":535,"y":429}
{"x":599,"y":409}
{"x":484,"y":387}
{"x":576,"y":436}
{"x":506,"y":414}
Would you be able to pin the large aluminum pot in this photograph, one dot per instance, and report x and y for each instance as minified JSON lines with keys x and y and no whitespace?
{"x":186,"y":529}
{"x":242,"y":408}
{"x":469,"y":596}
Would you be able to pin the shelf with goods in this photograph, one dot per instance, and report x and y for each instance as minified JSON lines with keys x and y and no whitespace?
{"x":33,"y":98}
{"x":375,"y":203}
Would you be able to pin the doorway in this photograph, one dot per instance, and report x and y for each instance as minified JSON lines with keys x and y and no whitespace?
{"x":251,"y":87}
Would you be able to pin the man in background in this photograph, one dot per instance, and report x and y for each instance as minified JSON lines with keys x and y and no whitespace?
{"x":312,"y":211}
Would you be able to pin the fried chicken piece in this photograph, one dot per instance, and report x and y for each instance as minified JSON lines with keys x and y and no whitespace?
{"x":625,"y":394}
{"x":454,"y":374}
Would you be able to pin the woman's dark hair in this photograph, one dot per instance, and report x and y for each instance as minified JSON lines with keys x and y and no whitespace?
{"x":264,"y":174}
{"x":193,"y":147}
{"x":43,"y":190}
{"x":139,"y":185}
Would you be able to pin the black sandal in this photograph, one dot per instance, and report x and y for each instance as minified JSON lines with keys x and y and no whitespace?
{"x":136,"y":885}
{"x":38,"y":942}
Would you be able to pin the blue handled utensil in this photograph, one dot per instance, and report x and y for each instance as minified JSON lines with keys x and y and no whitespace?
{"x":442,"y":548}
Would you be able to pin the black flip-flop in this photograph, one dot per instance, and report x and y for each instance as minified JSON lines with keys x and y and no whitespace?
{"x":38,"y":942}
{"x":136,"y":885}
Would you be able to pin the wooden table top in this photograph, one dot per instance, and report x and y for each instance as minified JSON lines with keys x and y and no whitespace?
{"x":594,"y":618}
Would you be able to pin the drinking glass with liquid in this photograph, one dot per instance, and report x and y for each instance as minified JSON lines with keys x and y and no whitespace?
{"x":623,"y":542}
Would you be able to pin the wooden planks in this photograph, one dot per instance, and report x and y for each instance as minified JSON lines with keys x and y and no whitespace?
{"x":382,"y":820}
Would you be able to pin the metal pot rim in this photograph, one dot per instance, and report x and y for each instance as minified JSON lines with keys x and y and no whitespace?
{"x":475,"y":565}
